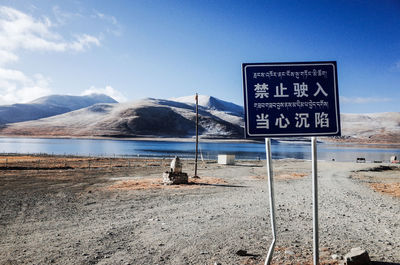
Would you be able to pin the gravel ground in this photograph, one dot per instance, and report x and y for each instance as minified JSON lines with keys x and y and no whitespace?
{"x":72,"y":217}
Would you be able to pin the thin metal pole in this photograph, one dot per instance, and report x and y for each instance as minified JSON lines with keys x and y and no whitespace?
{"x":271,"y":199}
{"x":197,"y":135}
{"x":315,"y":199}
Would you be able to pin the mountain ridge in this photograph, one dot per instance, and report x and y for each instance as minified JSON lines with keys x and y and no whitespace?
{"x":175,"y":117}
{"x":49,"y":106}
{"x":212,"y":103}
{"x":147,"y":117}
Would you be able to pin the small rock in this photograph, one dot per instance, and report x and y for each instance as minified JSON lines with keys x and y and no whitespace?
{"x":357,"y":256}
{"x":289,"y":252}
{"x":336,"y":257}
{"x":241,"y":252}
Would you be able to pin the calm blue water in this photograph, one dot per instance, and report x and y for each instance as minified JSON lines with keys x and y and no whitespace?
{"x":280,"y":150}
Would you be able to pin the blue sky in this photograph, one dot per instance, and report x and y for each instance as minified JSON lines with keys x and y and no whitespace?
{"x":136,"y":49}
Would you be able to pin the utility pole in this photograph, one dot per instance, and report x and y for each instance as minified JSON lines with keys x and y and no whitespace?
{"x":197,"y":135}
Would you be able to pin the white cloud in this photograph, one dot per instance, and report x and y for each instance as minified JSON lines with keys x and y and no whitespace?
{"x":15,"y":86}
{"x":20,"y":31}
{"x":108,"y":90}
{"x":364,"y":100}
{"x":84,"y":41}
{"x":110,"y":19}
{"x":62,"y":17}
{"x":6,"y":57}
{"x":115,"y":28}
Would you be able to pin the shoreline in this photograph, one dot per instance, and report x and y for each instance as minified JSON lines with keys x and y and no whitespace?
{"x":155,"y":139}
{"x":238,"y":161}
{"x":361,"y":143}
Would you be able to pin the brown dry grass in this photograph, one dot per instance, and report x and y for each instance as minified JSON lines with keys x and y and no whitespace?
{"x":156,"y":183}
{"x":70,"y":162}
{"x":387,"y":188}
{"x":76,"y":169}
{"x":291,"y":176}
{"x":284,"y":176}
{"x":385,"y":180}
{"x":18,"y":158}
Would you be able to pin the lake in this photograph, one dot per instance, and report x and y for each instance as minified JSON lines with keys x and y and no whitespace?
{"x":207,"y":150}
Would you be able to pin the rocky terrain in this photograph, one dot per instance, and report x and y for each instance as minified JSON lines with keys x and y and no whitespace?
{"x":116,"y":211}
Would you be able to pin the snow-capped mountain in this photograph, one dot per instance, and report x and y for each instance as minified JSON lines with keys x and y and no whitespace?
{"x":49,"y":106}
{"x":374,"y":127}
{"x":212,"y":103}
{"x":176,"y":117}
{"x":147,"y":117}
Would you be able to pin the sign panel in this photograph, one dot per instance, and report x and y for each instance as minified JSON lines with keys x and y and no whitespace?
{"x":291,"y":99}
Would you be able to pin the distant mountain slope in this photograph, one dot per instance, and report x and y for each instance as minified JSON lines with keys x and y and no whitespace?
{"x":176,"y":118}
{"x":49,"y":106}
{"x":148,"y":117}
{"x":212,"y":103}
{"x":374,"y":128}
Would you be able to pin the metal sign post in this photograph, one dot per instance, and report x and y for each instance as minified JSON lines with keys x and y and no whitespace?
{"x":197,"y":135}
{"x":271,"y":199}
{"x":315,"y":199}
{"x":297,"y":99}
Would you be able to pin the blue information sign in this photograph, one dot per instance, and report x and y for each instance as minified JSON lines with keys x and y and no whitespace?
{"x":291,"y":99}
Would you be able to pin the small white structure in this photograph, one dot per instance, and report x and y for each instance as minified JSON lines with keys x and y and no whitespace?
{"x":175,"y":176}
{"x":176,"y":165}
{"x":226,"y":159}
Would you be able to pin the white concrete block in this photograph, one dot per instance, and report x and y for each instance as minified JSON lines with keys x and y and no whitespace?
{"x":225,"y":159}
